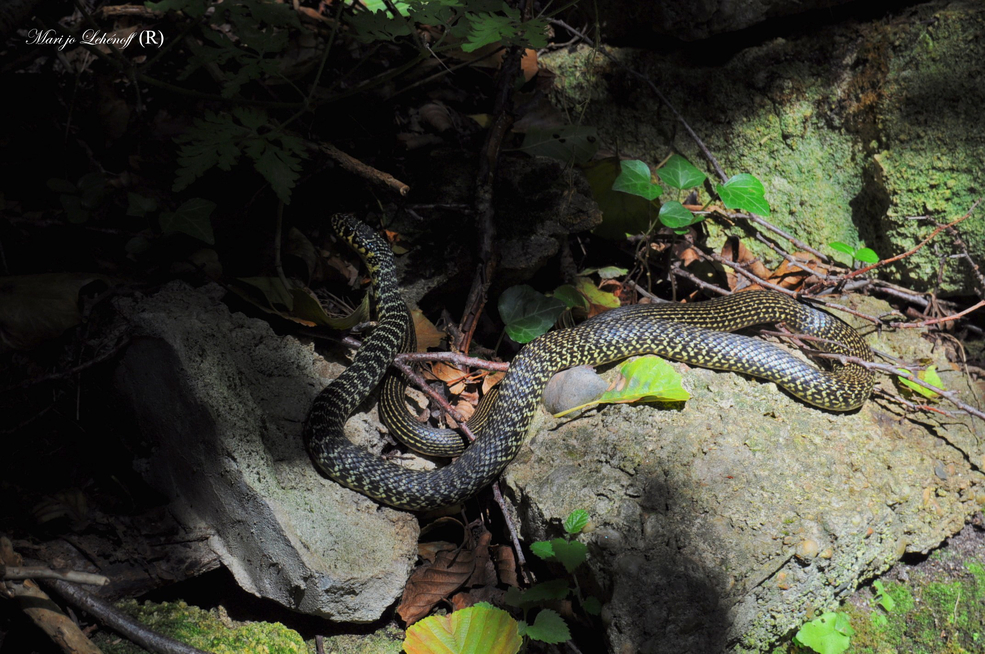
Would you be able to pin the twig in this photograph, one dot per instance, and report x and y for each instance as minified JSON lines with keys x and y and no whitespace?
{"x":120,"y":622}
{"x":453,"y":357}
{"x":71,"y":371}
{"x":41,"y":572}
{"x":678,"y":270}
{"x":421,"y":383}
{"x":498,"y":496}
{"x":936,"y":321}
{"x":357,"y":167}
{"x":918,"y":246}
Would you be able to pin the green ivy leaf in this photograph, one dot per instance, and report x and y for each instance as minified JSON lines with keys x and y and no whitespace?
{"x":527,"y":313}
{"x":548,"y":627}
{"x":570,"y":553}
{"x":635,"y":180}
{"x":479,"y":629}
{"x":743,"y":191}
{"x":605,"y":272}
{"x":676,"y":216}
{"x":570,"y":143}
{"x":679,"y":173}
{"x":622,"y":213}
{"x":829,"y":634}
{"x":542,"y":549}
{"x":576,"y":521}
{"x":193,"y":218}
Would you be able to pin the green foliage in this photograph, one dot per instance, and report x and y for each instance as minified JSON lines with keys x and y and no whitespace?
{"x":743,"y":191}
{"x":883,"y":599}
{"x":474,"y":23}
{"x":576,"y":521}
{"x":191,"y":218}
{"x":865,"y":255}
{"x":829,"y":634}
{"x":635,"y":179}
{"x":548,"y":627}
{"x":78,"y":200}
{"x":570,"y":143}
{"x":929,"y":375}
{"x":527,"y":313}
{"x":479,"y":629}
{"x":220,"y":139}
{"x":679,"y":173}
{"x":675,"y":215}
{"x":647,"y":378}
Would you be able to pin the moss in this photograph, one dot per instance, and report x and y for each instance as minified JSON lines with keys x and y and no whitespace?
{"x":211,"y":631}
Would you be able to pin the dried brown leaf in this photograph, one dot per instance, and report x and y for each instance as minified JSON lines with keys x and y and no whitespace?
{"x":433,"y":582}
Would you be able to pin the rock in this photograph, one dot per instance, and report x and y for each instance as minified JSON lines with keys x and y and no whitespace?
{"x":725,"y":523}
{"x":220,"y":400}
{"x":853,"y":128}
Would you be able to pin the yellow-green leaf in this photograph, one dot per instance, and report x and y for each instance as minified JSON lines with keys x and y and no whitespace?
{"x":929,"y":375}
{"x":479,"y":629}
{"x":648,"y":378}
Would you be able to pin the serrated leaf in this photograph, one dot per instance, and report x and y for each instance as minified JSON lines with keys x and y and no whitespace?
{"x":280,"y":168}
{"x":829,"y":634}
{"x":845,"y":248}
{"x":605,"y":272}
{"x":675,"y":215}
{"x":542,"y":549}
{"x":569,"y":143}
{"x":548,"y":627}
{"x":570,"y":553}
{"x":479,"y":629}
{"x":744,"y":191}
{"x":513,"y":597}
{"x":527,"y":313}
{"x":679,"y":173}
{"x":555,"y":589}
{"x":866,"y":255}
{"x":576,"y":521}
{"x":193,"y":218}
{"x":929,"y":375}
{"x":592,"y":605}
{"x":635,"y":180}
{"x":489,"y":28}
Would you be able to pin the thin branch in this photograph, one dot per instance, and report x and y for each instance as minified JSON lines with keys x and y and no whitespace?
{"x":937,"y":321}
{"x":41,"y":572}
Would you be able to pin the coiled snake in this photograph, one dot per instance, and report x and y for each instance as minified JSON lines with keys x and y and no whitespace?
{"x":694,"y":333}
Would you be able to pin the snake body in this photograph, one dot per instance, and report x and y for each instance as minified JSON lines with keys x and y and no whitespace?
{"x":694,"y":333}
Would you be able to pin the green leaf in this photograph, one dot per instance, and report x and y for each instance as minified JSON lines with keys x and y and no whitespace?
{"x":605,"y":272}
{"x":576,"y":521}
{"x":479,"y":629}
{"x":490,"y":28}
{"x":648,"y":378}
{"x":679,"y":173}
{"x":139,"y":205}
{"x":555,"y":589}
{"x":635,"y":180}
{"x":592,"y":605}
{"x":542,"y":549}
{"x":191,"y":218}
{"x":743,"y":191}
{"x":548,"y":627}
{"x":570,"y":553}
{"x":571,"y":297}
{"x":829,"y":634}
{"x":845,"y":248}
{"x":676,"y":216}
{"x":570,"y":143}
{"x":378,"y":26}
{"x":596,"y":296}
{"x":883,"y":599}
{"x":527,"y":313}
{"x":866,"y":255}
{"x":622,"y":213}
{"x":929,"y":375}
{"x":513,"y":597}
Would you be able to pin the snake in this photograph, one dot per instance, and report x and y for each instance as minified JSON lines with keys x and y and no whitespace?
{"x":698,"y":333}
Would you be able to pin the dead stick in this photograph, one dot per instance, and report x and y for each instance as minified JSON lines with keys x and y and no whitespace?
{"x":357,"y":167}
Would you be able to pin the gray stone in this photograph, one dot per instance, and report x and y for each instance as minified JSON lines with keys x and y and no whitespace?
{"x":725,"y":523}
{"x":220,"y":400}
